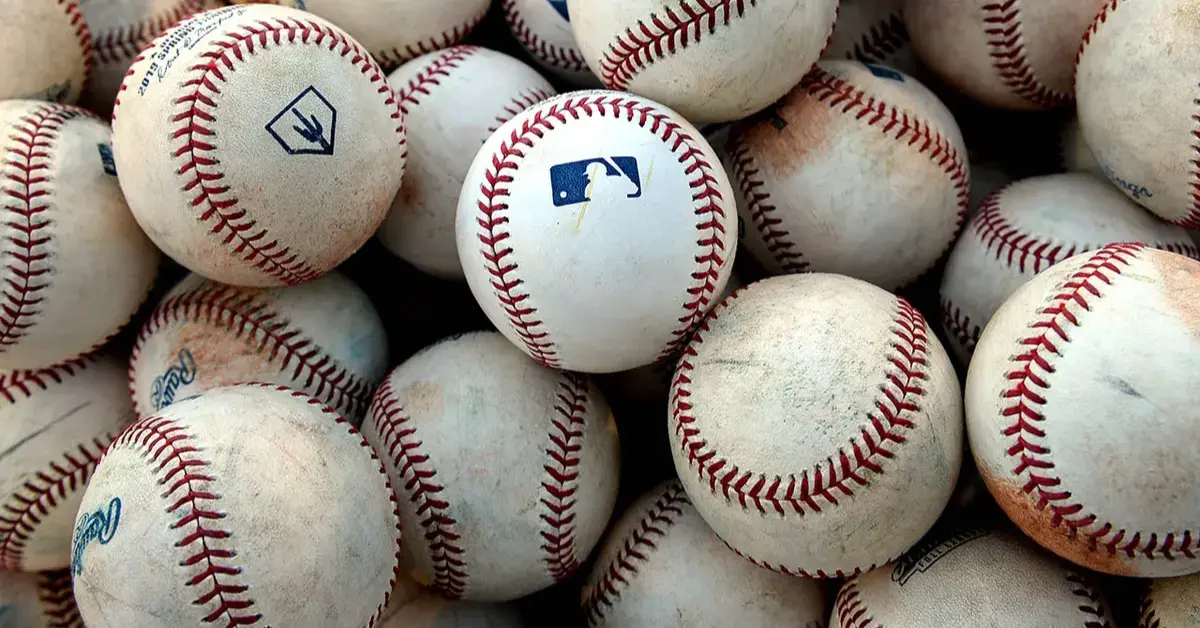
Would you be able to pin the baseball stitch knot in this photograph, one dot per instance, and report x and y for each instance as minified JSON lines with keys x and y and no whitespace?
{"x":561,"y":481}
{"x":557,"y":57}
{"x":125,"y":41}
{"x":763,"y":212}
{"x":881,"y":41}
{"x":1002,"y":25}
{"x":393,"y":57}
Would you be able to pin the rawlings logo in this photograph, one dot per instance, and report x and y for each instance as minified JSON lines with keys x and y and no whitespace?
{"x":99,"y":526}
{"x":921,"y":558}
{"x":1133,"y":189}
{"x":167,"y":384}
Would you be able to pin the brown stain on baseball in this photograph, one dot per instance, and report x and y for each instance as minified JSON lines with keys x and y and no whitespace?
{"x":425,"y":399}
{"x":1180,"y":287}
{"x":223,"y":359}
{"x":796,"y":129}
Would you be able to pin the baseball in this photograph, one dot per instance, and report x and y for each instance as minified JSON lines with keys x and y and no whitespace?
{"x":1029,"y":226}
{"x":1136,"y":90}
{"x":198,"y":519}
{"x":816,"y":424}
{"x":57,"y":422}
{"x":432,"y":91}
{"x":661,"y":565}
{"x":41,"y":600}
{"x":47,"y":48}
{"x":712,"y":61}
{"x":860,"y":170}
{"x":1012,"y":55}
{"x":543,"y":28}
{"x":872,"y":31}
{"x":971,"y":578}
{"x":258,"y":145}
{"x":75,"y":266}
{"x":323,"y":337}
{"x":433,"y":611}
{"x":506,"y":472}
{"x":1092,"y":365}
{"x":1171,"y":603}
{"x":625,"y":234}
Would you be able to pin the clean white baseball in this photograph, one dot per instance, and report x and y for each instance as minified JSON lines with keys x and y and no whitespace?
{"x":1091,"y":366}
{"x":816,"y":423}
{"x":323,"y":337}
{"x":661,"y":565}
{"x":1076,"y":154}
{"x":1029,"y":226}
{"x":595,"y":229}
{"x":57,"y":422}
{"x":74,"y":266}
{"x":258,"y":145}
{"x":248,"y":505}
{"x":1013,"y":54}
{"x":710,"y":60}
{"x":1171,"y":603}
{"x":48,"y":49}
{"x":873,"y":31}
{"x":971,"y":578}
{"x":506,"y":471}
{"x":41,"y":600}
{"x":543,"y":28}
{"x":860,"y":170}
{"x":433,"y":611}
{"x":1135,"y":82}
{"x":452,"y":101}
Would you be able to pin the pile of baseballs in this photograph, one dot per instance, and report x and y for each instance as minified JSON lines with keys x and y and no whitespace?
{"x":950,"y":385}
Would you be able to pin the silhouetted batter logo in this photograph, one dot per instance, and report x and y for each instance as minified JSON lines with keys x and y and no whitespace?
{"x":581,"y":181}
{"x":307,"y":125}
{"x":561,"y":7}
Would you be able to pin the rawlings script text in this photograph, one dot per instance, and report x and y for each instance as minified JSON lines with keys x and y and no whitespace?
{"x":165,"y":385}
{"x":99,"y":526}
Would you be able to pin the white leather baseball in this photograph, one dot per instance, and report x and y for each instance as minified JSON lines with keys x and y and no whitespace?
{"x":1093,"y":365}
{"x":1076,"y":154}
{"x":323,"y":337}
{"x":816,"y":423}
{"x":1135,"y":85}
{"x":860,"y":170}
{"x":596,"y":229}
{"x":1013,"y":54}
{"x":48,"y":48}
{"x":433,"y":611}
{"x":662,"y":566}
{"x":74,"y":266}
{"x":710,"y":60}
{"x":452,"y":100}
{"x":1171,"y":603}
{"x":41,"y":600}
{"x":506,"y":472}
{"x":249,"y":505}
{"x":543,"y":28}
{"x":1027,"y":227}
{"x":258,"y":145}
{"x":57,"y":422}
{"x":972,"y":578}
{"x":986,"y":178}
{"x":873,"y":31}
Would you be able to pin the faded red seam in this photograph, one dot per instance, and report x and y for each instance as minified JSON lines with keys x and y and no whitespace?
{"x":237,"y":312}
{"x":201,"y":166}
{"x":522,"y":101}
{"x":1002,"y":25}
{"x":431,"y":75}
{"x":127,"y":40}
{"x":959,"y":325}
{"x":1089,"y":601}
{"x":635,"y":549}
{"x":557,"y":57}
{"x":58,"y":600}
{"x":1028,"y":384}
{"x":850,"y":608}
{"x":763,"y":211}
{"x":1148,"y":617}
{"x":75,"y":15}
{"x":1101,"y":18}
{"x":662,"y":35}
{"x":392,"y":57}
{"x":493,"y":214}
{"x":399,"y":439}
{"x":1192,"y":219}
{"x":881,"y":41}
{"x":562,"y":476}
{"x":24,"y":384}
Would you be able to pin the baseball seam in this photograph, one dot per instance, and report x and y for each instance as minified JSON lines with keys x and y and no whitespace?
{"x":1147,"y":615}
{"x":399,"y":439}
{"x":1027,"y":386}
{"x":557,"y":57}
{"x":850,"y":609}
{"x":1089,"y":601}
{"x":126,"y":40}
{"x":881,"y":41}
{"x":635,"y":549}
{"x":432,"y":74}
{"x":522,"y":101}
{"x":1101,"y":18}
{"x":561,"y":481}
{"x":493,"y":214}
{"x":58,"y":600}
{"x":959,"y":325}
{"x":1002,"y":25}
{"x":392,"y":57}
{"x":82,"y":34}
{"x":763,"y":212}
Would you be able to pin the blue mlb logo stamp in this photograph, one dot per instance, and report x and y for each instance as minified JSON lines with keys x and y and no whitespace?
{"x":307,"y":125}
{"x":561,"y":7}
{"x":577,"y":181}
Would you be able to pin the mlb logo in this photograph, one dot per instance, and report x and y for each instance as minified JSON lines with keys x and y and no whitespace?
{"x":576,"y":182}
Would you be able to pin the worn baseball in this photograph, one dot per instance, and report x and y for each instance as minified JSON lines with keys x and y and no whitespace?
{"x":710,"y":60}
{"x":57,"y":422}
{"x":1029,"y":226}
{"x":41,"y":600}
{"x":1091,"y":364}
{"x":816,"y":424}
{"x":1171,"y":603}
{"x":452,"y":101}
{"x":860,"y":170}
{"x":506,"y":471}
{"x":1136,"y":89}
{"x":74,"y":266}
{"x":596,"y":229}
{"x":971,"y":578}
{"x":433,"y":611}
{"x":258,"y":145}
{"x":248,"y":505}
{"x":1076,"y":154}
{"x":543,"y":28}
{"x":661,"y":565}
{"x":324,"y":338}
{"x":48,"y":49}
{"x":873,"y":31}
{"x":1009,"y":54}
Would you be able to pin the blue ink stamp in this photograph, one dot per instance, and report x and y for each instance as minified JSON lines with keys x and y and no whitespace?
{"x":1134,"y":190}
{"x":885,"y":73}
{"x":95,"y":527}
{"x":571,"y":183}
{"x":561,"y":7}
{"x":307,"y":126}
{"x":167,"y":384}
{"x":106,"y":158}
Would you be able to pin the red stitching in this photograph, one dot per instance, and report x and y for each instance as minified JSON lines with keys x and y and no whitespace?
{"x":1089,"y":601}
{"x":958,"y":324}
{"x":25,"y":384}
{"x":881,"y":41}
{"x":522,"y":101}
{"x":1002,"y":24}
{"x":557,"y":57}
{"x":398,"y":437}
{"x":393,"y":57}
{"x":850,"y":608}
{"x":1192,"y":219}
{"x":493,"y":213}
{"x":635,"y":549}
{"x":432,"y":74}
{"x":763,"y":211}
{"x":562,"y":475}
{"x":125,"y":41}
{"x":201,"y":165}
{"x":676,"y":28}
{"x":1148,"y":616}
{"x":82,"y":34}
{"x":1028,"y":384}
{"x":1101,"y":18}
{"x":58,"y":600}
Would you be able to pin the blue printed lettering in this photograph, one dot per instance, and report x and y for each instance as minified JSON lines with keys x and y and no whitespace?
{"x":167,"y":384}
{"x":94,"y":527}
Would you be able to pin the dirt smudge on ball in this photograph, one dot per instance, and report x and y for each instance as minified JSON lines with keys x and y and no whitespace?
{"x":1181,"y":287}
{"x":788,"y":133}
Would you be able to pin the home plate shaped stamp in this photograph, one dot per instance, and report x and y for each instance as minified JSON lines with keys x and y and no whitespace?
{"x":307,"y":125}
